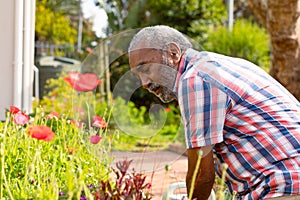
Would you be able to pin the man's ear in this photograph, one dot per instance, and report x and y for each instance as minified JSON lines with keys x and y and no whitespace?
{"x":174,"y":52}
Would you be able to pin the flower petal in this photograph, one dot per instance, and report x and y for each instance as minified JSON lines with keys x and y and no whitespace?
{"x":83,"y":82}
{"x":14,"y":109}
{"x":95,"y":139}
{"x":77,"y":123}
{"x":86,"y":82}
{"x":21,"y":118}
{"x":72,"y":78}
{"x":52,"y":115}
{"x":41,"y":133}
{"x":98,"y":122}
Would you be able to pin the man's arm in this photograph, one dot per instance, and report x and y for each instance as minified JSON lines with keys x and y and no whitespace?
{"x":205,"y":175}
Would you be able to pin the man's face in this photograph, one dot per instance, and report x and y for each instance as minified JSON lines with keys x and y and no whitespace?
{"x":156,"y":73}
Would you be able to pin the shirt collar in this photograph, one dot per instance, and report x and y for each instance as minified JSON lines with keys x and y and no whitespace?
{"x":186,"y":59}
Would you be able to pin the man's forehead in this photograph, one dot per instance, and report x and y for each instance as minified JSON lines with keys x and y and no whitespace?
{"x":142,"y":56}
{"x":144,"y":44}
{"x":144,"y":53}
{"x":144,"y":50}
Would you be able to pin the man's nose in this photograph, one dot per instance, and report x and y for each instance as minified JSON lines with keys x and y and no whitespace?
{"x":145,"y":81}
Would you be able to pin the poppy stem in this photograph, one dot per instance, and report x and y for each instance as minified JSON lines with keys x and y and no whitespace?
{"x":3,"y":175}
{"x":89,"y":114}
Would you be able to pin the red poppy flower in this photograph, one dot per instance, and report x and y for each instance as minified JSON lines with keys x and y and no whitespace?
{"x":83,"y":82}
{"x":95,"y":139}
{"x":14,"y":109}
{"x":41,"y":133}
{"x":21,"y":118}
{"x":77,"y":123}
{"x":52,"y":115}
{"x":167,"y":109}
{"x":98,"y":122}
{"x":71,"y":78}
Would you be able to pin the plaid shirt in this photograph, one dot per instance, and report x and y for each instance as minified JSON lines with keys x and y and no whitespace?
{"x":250,"y":119}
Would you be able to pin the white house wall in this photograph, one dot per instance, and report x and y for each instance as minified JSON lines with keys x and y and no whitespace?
{"x":16,"y":54}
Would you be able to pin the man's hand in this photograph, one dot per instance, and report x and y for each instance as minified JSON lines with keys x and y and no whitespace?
{"x":205,"y":175}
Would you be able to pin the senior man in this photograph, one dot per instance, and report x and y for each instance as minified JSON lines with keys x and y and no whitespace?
{"x":230,"y":108}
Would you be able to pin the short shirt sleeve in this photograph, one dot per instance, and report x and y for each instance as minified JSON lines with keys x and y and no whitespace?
{"x":203,"y":108}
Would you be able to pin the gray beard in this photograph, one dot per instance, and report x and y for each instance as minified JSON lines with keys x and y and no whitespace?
{"x":168,"y":75}
{"x":166,"y":95}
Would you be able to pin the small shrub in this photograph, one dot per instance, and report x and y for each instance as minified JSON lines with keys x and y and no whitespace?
{"x":48,"y":157}
{"x":126,"y":185}
{"x":247,"y":40}
{"x":140,"y":128}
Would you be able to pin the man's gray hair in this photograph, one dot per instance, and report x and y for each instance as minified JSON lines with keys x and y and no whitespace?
{"x":159,"y":37}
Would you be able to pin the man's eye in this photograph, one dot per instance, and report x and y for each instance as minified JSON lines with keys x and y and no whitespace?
{"x":144,"y":69}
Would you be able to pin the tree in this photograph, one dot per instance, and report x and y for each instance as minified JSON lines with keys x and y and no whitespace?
{"x":281,"y":20}
{"x":184,"y":14}
{"x":246,"y":40}
{"x":191,"y":17}
{"x":188,"y":16}
{"x":52,"y":24}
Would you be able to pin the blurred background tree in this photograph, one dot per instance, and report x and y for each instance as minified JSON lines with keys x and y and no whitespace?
{"x":281,"y":20}
{"x":191,"y":17}
{"x":57,"y":23}
{"x":254,"y":47}
{"x":205,"y":21}
{"x":53,"y":23}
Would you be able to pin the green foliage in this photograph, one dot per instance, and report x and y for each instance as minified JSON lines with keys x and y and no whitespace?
{"x":189,"y":17}
{"x":213,"y":14}
{"x":53,"y":25}
{"x":136,"y":115}
{"x":72,"y":165}
{"x":62,"y":98}
{"x":64,"y":168}
{"x":140,"y":129}
{"x":247,"y":40}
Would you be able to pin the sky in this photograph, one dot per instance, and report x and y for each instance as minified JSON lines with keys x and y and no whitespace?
{"x":96,"y":15}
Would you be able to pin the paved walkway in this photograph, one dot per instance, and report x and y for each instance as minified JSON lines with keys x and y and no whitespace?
{"x":154,"y":164}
